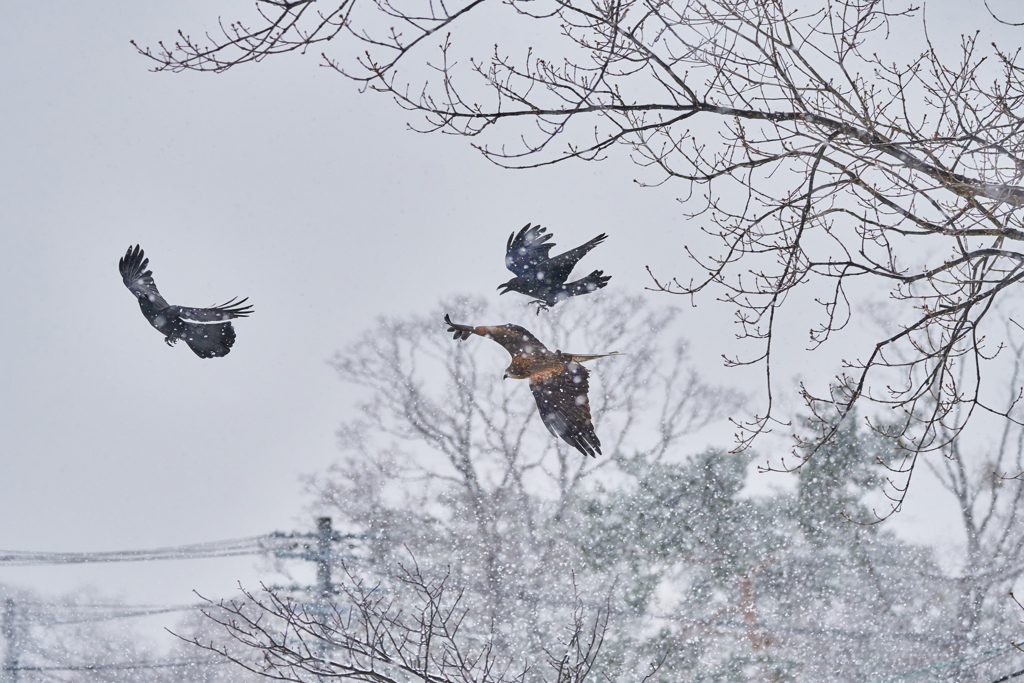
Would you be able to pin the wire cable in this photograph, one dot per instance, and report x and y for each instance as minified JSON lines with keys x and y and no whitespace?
{"x":253,"y":545}
{"x":123,"y":666}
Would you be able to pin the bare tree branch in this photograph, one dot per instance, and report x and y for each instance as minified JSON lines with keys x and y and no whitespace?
{"x":818,"y":163}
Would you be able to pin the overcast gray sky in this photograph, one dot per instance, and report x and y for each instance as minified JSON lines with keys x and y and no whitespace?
{"x":281,"y":183}
{"x":278,"y":182}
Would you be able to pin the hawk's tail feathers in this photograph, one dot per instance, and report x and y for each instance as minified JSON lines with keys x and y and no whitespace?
{"x":583,"y":358}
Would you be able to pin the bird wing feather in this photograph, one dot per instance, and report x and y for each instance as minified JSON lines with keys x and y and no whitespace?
{"x":561,"y":394}
{"x":225,"y":311}
{"x":516,"y":340}
{"x":527,"y":250}
{"x":561,"y":266}
{"x":137,"y":279}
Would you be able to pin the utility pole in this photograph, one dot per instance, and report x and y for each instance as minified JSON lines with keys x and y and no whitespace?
{"x":322,"y":557}
{"x":324,"y":536}
{"x":317,"y":547}
{"x":12,"y":644}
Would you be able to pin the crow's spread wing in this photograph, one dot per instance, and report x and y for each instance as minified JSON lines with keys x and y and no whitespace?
{"x":214,"y":314}
{"x":137,"y":279}
{"x":516,"y":340}
{"x":561,"y":393}
{"x":527,"y":250}
{"x":561,"y":266}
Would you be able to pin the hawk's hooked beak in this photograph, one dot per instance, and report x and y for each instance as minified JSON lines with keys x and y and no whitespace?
{"x":505,"y":376}
{"x":505,"y":285}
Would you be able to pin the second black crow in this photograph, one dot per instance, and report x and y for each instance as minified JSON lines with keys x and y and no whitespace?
{"x":545,"y":278}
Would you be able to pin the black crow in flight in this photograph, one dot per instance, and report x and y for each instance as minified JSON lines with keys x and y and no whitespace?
{"x":207,"y":331}
{"x":558,"y":381}
{"x":544,"y":278}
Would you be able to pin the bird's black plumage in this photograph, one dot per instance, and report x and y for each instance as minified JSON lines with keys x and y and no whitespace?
{"x":207,"y":331}
{"x":542,"y":277}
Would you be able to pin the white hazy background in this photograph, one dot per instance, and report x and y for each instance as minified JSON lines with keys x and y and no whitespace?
{"x":282,"y":183}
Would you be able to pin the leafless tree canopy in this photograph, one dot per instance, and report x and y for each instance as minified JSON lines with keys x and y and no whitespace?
{"x":818,"y":161}
{"x":369,"y":633}
{"x":987,"y":484}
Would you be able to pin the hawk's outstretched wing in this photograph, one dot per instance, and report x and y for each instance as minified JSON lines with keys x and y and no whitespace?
{"x":516,"y":340}
{"x":137,"y":279}
{"x":527,"y":250}
{"x":561,"y":394}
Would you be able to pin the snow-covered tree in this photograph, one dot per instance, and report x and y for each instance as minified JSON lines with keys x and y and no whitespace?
{"x":453,"y":465}
{"x":481,"y":533}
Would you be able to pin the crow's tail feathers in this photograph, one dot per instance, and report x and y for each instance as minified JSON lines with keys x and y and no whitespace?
{"x":590,"y":283}
{"x":209,"y":341}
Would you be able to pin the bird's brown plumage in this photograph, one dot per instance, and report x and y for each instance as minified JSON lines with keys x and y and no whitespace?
{"x":559,"y":381}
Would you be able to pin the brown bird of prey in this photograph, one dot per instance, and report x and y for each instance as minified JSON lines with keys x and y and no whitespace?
{"x":207,"y":331}
{"x":542,"y":277}
{"x":558,"y":381}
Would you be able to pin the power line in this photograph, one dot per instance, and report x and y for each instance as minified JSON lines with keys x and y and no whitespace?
{"x":281,"y":544}
{"x":127,"y":666}
{"x":316,"y":547}
{"x":1009,"y":676}
{"x":253,"y":545}
{"x":57,"y":614}
{"x":310,"y":546}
